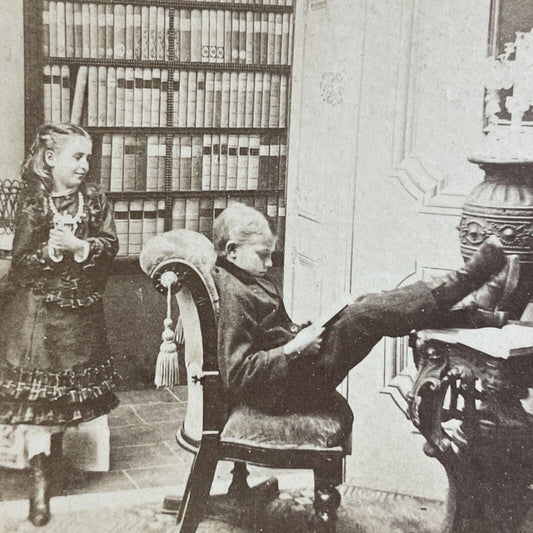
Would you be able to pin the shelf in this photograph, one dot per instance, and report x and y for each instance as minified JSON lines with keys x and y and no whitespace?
{"x":176,"y":65}
{"x":130,"y":195}
{"x":176,"y":129}
{"x":198,"y":5}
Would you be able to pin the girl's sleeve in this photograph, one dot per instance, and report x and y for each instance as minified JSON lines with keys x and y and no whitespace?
{"x":102,"y":238}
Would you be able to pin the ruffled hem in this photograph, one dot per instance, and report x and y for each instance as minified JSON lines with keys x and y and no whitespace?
{"x":68,"y":387}
{"x":52,"y":413}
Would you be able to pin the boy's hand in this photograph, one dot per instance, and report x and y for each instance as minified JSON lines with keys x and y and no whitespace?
{"x":64,"y":240}
{"x":306,"y":342}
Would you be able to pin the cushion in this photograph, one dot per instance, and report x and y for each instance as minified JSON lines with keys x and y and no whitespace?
{"x":319,"y":428}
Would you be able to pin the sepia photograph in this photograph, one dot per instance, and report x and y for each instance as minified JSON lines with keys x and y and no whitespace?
{"x":266,"y":266}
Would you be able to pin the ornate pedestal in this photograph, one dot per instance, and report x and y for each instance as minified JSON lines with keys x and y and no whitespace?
{"x":467,"y":406}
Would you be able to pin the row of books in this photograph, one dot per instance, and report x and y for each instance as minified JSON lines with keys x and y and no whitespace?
{"x":199,"y":162}
{"x":118,"y":31}
{"x":139,"y":220}
{"x":109,"y":96}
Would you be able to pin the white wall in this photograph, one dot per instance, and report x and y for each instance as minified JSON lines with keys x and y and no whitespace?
{"x":11,"y":88}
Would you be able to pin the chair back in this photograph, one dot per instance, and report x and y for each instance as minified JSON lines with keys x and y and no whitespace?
{"x":206,"y":406}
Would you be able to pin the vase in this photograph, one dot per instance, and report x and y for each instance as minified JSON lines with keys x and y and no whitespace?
{"x":502,"y":205}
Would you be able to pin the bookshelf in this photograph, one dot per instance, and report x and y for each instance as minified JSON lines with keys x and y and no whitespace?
{"x":187,"y":103}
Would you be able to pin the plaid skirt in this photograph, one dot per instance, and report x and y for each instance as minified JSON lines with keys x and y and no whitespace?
{"x":55,"y":365}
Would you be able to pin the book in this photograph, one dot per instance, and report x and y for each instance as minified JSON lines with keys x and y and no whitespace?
{"x":205,"y":217}
{"x":253,"y":162}
{"x":105,"y":162}
{"x":217,"y":100}
{"x":161,"y":210}
{"x":223,"y":162}
{"x":178,"y":213}
{"x":185,"y":35}
{"x":80,"y":89}
{"x":129,"y":32}
{"x":257,"y":38}
{"x":137,"y":32}
{"x":215,"y":161}
{"x":196,"y":36}
{"x":140,"y":162}
{"x":271,"y":37}
{"x":137,"y":97}
{"x":46,"y":27}
{"x":332,"y":311}
{"x":511,"y":340}
{"x":264,"y":160}
{"x":78,"y":31}
{"x":200,"y":98}
{"x":278,"y":29}
{"x":56,"y":93}
{"x":109,"y":31}
{"x":233,"y":97}
{"x":243,"y":162}
{"x":85,"y":30}
{"x":149,"y":227}
{"x":227,"y":36}
{"x":212,"y":36}
{"x":160,"y":34}
{"x":130,"y":149}
{"x":183,"y":98}
{"x":204,"y":39}
{"x":224,"y":104}
{"x":117,"y":162}
{"x":283,"y":95}
{"x":122,"y":225}
{"x":242,"y":37}
{"x":206,"y":162}
{"x":60,"y":28}
{"x":101,"y":30}
{"x":231,"y":180}
{"x":129,"y":95}
{"x":135,"y":227}
{"x":275,"y":90}
{"x":152,"y":35}
{"x":119,"y":32}
{"x":285,"y":39}
{"x":69,"y":29}
{"x":220,"y":37}
{"x":161,"y":154}
{"x":264,"y":39}
{"x":241,"y":99}
{"x":191,"y":99}
{"x":155,"y":114}
{"x":249,"y":51}
{"x":192,"y":208}
{"x":47,"y":93}
{"x":92,"y":98}
{"x":265,"y":101}
{"x":163,"y":98}
{"x":235,"y":37}
{"x":185,"y":163}
{"x":102,"y":96}
{"x":111,"y":112}
{"x":175,"y":169}
{"x":258,"y":96}
{"x":209,"y":98}
{"x":93,"y":30}
{"x":145,"y":32}
{"x":249,"y":101}
{"x":152,"y":154}
{"x":146,"y":117}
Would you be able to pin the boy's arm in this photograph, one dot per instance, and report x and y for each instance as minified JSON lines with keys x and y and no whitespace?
{"x":248,"y":373}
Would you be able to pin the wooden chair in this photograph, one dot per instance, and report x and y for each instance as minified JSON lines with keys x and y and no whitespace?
{"x":316,"y":440}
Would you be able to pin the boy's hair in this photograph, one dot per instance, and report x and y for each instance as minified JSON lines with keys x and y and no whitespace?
{"x":48,"y":137}
{"x":238,"y":223}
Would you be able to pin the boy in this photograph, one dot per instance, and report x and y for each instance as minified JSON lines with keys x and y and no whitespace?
{"x":267,"y":361}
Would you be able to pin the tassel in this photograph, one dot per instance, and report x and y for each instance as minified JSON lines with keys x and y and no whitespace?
{"x":167,"y":366}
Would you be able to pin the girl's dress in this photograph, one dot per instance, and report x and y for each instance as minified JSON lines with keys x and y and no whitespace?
{"x":55,"y":364}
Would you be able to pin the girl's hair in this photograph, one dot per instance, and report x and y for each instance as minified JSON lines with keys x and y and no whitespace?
{"x":48,"y":137}
{"x":238,"y":223}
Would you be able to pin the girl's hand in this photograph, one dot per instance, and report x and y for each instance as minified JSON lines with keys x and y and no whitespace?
{"x":306,"y":342}
{"x":65,"y":241}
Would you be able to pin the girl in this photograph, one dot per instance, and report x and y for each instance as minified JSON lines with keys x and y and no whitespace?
{"x":55,"y":366}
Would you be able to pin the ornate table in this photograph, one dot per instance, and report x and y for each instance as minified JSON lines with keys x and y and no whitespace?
{"x":468,"y":407}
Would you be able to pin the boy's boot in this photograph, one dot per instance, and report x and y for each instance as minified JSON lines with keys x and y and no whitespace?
{"x":39,"y":494}
{"x":485,"y":263}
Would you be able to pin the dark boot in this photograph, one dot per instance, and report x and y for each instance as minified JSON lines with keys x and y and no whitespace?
{"x":485,"y":263}
{"x":39,"y":495}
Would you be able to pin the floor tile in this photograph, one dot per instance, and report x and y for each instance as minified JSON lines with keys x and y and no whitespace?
{"x":102,"y":482}
{"x":123,"y":415}
{"x":135,"y":397}
{"x":126,"y":457}
{"x":162,"y":476}
{"x":174,"y":413}
{"x":143,"y":433}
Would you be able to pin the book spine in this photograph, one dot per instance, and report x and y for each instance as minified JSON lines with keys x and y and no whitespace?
{"x":86,"y":30}
{"x":168,"y":36}
{"x":191,"y":99}
{"x":152,"y":154}
{"x":271,"y":38}
{"x":65,"y":93}
{"x":137,"y":97}
{"x":117,"y":162}
{"x":257,"y":38}
{"x":242,"y":162}
{"x":217,"y":100}
{"x":282,"y":176}
{"x":285,"y":39}
{"x":265,"y":103}
{"x":122,"y":225}
{"x":162,"y":152}
{"x":92,"y":99}
{"x":101,"y":31}
{"x":69,"y":29}
{"x":219,"y":204}
{"x":60,"y":25}
{"x":264,"y":150}
{"x":145,"y":32}
{"x":283,"y":100}
{"x":56,"y":93}
{"x":176,"y":163}
{"x":196,"y":36}
{"x":249,"y":37}
{"x":47,"y":93}
{"x":78,"y":31}
{"x":129,"y":95}
{"x":273,"y":169}
{"x":141,"y":156}
{"x":137,"y":32}
{"x":215,"y":162}
{"x":200,"y":98}
{"x":184,"y":96}
{"x":231,"y":181}
{"x":129,"y":32}
{"x":135,"y":227}
{"x":241,"y":100}
{"x":249,"y":102}
{"x":109,"y":32}
{"x":205,"y":36}
{"x":223,"y":162}
{"x":196,"y":163}
{"x":205,"y":217}
{"x":185,"y":35}
{"x":206,"y":162}
{"x":209,"y":98}
{"x":149,"y":220}
{"x":130,"y":148}
{"x":176,"y":98}
{"x":212,"y":36}
{"x":264,"y":38}
{"x":291,"y":30}
{"x":258,"y":95}
{"x":111,"y":111}
{"x":161,"y":212}
{"x":161,"y":33}
{"x":178,"y":213}
{"x":192,"y":207}
{"x":119,"y":32}
{"x":93,"y":30}
{"x":275,"y":90}
{"x":164,"y":97}
{"x":46,"y":27}
{"x":152,"y":35}
{"x":235,"y":37}
{"x":220,"y":36}
{"x":79,"y":95}
{"x":156,"y":98}
{"x":185,"y":163}
{"x":146,"y":117}
{"x":233,"y":99}
{"x":105,"y":162}
{"x":242,"y":37}
{"x":253,"y":163}
{"x":224,"y":106}
{"x":227,"y":36}
{"x":278,"y":38}
{"x":102,"y":96}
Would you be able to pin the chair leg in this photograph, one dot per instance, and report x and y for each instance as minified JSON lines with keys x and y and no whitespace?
{"x":327,"y":497}
{"x":198,"y":487}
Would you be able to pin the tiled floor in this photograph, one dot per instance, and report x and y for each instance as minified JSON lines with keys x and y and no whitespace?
{"x":144,"y":452}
